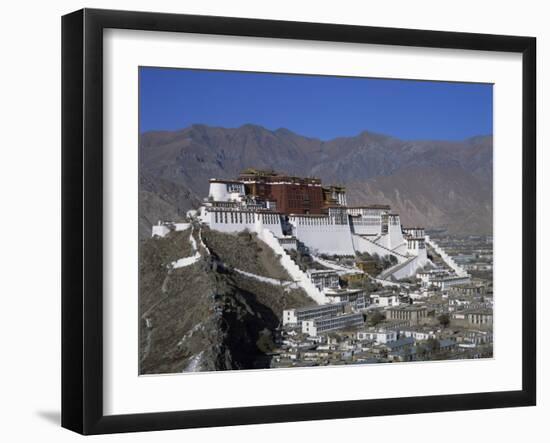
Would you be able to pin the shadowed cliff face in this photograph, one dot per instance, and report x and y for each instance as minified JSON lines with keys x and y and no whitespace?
{"x":206,"y":317}
{"x":438,"y":184}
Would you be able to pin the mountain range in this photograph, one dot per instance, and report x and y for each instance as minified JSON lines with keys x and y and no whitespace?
{"x":437,"y":184}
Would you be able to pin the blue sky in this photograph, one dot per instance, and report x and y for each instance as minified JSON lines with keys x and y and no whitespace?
{"x":314,"y":106}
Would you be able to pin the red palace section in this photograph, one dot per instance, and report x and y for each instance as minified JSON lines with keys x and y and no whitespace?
{"x":293,"y":195}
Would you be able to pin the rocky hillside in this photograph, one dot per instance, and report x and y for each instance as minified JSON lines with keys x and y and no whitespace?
{"x":446,"y":197}
{"x":161,"y":199}
{"x":452,"y":180}
{"x":207,"y":316}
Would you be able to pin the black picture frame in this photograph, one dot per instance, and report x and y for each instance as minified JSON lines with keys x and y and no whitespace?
{"x":82,"y":215}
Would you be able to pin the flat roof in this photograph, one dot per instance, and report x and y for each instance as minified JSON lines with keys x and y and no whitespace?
{"x":237,"y":209}
{"x":335,"y":187}
{"x":408,"y":307}
{"x":310,"y":215}
{"x":454,"y":277}
{"x":252,"y":174}
{"x":320,"y":271}
{"x":400,"y":342}
{"x":373,"y":206}
{"x":221,"y":180}
{"x":384,"y":294}
{"x":330,"y":292}
{"x":485,"y":311}
{"x":314,"y":307}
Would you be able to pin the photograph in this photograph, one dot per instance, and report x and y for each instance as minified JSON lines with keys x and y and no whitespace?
{"x":294,"y":220}
{"x":253,"y":221}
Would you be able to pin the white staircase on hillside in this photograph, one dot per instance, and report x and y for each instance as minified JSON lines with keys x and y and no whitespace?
{"x":389,"y":251}
{"x":446,"y":257}
{"x":387,"y":273}
{"x":300,"y":277}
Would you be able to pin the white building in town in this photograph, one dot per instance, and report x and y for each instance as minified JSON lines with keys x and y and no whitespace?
{"x":324,"y":279}
{"x":426,"y":277}
{"x":445,"y":283}
{"x":417,"y":333}
{"x":381,"y":336}
{"x":326,"y":324}
{"x":384,"y":299}
{"x":358,"y":299}
{"x":298,"y":315}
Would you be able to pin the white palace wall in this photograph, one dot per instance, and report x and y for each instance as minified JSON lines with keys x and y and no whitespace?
{"x":394,"y":238}
{"x":160,"y":230}
{"x":366,"y":221}
{"x":218,"y":192}
{"x":322,"y":235}
{"x":402,"y":249}
{"x":181,"y":226}
{"x":365,"y":225}
{"x":163,"y":229}
{"x":237,"y":221}
{"x":223,"y":192}
{"x":274,"y":225}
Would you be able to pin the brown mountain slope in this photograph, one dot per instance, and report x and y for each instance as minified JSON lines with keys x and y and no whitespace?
{"x":161,"y":199}
{"x":194,"y":155}
{"x":369,"y":155}
{"x":449,"y":198}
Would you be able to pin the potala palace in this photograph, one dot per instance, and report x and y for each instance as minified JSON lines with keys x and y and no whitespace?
{"x":289,"y":212}
{"x":296,"y":209}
